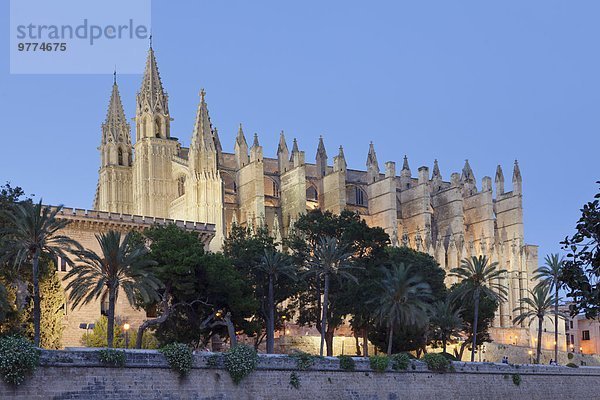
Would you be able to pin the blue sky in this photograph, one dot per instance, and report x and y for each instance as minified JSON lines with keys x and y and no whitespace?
{"x":487,"y":81}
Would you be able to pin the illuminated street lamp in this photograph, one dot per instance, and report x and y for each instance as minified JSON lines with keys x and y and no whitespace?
{"x":126,"y":328}
{"x":530,"y":357}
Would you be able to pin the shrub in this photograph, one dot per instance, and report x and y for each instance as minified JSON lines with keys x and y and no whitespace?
{"x":213,"y":361}
{"x":449,"y":357}
{"x":18,"y":359}
{"x":240,"y":361}
{"x":516,"y":378}
{"x":572,"y":365}
{"x":347,"y":363}
{"x":379,"y":363}
{"x":111,"y":357}
{"x":570,"y":356}
{"x":179,"y":356}
{"x":400,"y":361}
{"x":294,"y":380}
{"x":436,"y":362}
{"x":303,"y":360}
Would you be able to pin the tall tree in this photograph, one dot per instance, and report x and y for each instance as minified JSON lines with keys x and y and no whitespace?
{"x":538,"y":306}
{"x":274,"y":264}
{"x":402,"y":300}
{"x":446,"y":320}
{"x":581,"y":269}
{"x":477,"y":277}
{"x":330,"y":259}
{"x":33,"y":230}
{"x":367,"y":248}
{"x":121,"y":264}
{"x":549,"y":275}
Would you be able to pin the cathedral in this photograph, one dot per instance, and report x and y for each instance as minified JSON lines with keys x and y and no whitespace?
{"x":450,"y":219}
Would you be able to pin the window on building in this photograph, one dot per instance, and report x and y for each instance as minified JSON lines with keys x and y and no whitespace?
{"x":104,"y":308}
{"x":157,"y":128}
{"x":63,"y":265}
{"x":360,"y":197}
{"x":311,"y":194}
{"x":275,"y":189}
{"x":571,"y":324}
{"x":573,"y":339}
{"x":585,"y":335}
{"x":568,"y":340}
{"x":181,"y":185}
{"x":120,"y":156}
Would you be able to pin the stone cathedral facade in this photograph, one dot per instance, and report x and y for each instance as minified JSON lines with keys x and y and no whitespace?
{"x":448,"y":218}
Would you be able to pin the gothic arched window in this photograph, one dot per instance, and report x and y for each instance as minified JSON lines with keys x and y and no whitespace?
{"x":157,"y":128}
{"x":359,"y":197}
{"x":181,"y":186}
{"x":311,"y":194}
{"x":120,"y":156}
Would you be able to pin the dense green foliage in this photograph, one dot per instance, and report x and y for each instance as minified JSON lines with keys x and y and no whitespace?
{"x":379,"y":363}
{"x":18,"y":359}
{"x":112,"y":358}
{"x":436,"y":362}
{"x":199,"y":288}
{"x":347,"y":363}
{"x":400,"y":361}
{"x":303,"y":360}
{"x":581,"y":269}
{"x":179,"y":356}
{"x":516,"y":378}
{"x":240,"y":361}
{"x":294,"y":380}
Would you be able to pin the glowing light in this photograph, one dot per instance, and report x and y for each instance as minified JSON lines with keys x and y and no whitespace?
{"x":126,"y":327}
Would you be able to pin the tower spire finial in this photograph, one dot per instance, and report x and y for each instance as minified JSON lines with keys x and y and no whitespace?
{"x":115,"y":76}
{"x":150,"y":39}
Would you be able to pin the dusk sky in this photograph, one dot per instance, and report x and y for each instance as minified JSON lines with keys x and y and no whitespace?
{"x":486,"y":81}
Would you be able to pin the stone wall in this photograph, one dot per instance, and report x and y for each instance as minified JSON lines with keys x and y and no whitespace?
{"x":78,"y":375}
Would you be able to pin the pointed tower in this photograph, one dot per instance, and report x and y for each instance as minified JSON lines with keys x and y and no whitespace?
{"x":467,"y":178}
{"x":203,"y":152}
{"x":114,"y":192}
{"x":283,"y":155}
{"x":372,"y":165}
{"x":405,"y":175}
{"x":321,"y":159}
{"x":153,"y":185}
{"x":516,"y":179}
{"x":241,"y":149}
{"x":297,"y":156}
{"x":436,"y":177}
{"x":203,"y":186}
{"x":499,"y":180}
{"x":218,"y":146}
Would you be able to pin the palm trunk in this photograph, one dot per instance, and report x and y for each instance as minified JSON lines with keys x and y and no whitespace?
{"x":444,"y":340}
{"x":110,"y":330}
{"x":475,"y":323}
{"x":556,"y":324}
{"x":36,"y":300}
{"x":539,"y":341}
{"x":390,"y":339}
{"x":271,"y":318}
{"x":324,"y":316}
{"x":365,"y":343}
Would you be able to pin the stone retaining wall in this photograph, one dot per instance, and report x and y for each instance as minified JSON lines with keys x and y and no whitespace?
{"x":79,"y":375}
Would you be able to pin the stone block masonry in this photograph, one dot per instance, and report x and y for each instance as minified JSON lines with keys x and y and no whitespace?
{"x":79,"y":375}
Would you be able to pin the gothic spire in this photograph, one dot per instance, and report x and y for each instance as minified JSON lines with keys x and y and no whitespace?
{"x":321,"y":148}
{"x":115,"y":116}
{"x":282,"y":147}
{"x":240,"y":138}
{"x":339,"y":161}
{"x":436,"y":170}
{"x":517,"y":173}
{"x":203,"y":135}
{"x":405,"y":168}
{"x":217,"y":140}
{"x":255,"y":142}
{"x":295,"y":147}
{"x":372,"y":157}
{"x":467,"y":173}
{"x":151,"y":92}
{"x":499,"y":180}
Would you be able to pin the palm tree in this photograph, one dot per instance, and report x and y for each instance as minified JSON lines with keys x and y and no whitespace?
{"x":330,"y":258}
{"x":33,"y":230}
{"x":446,"y":320}
{"x":549,"y":275}
{"x":538,"y":305}
{"x":403,"y":300}
{"x":274,"y":264}
{"x":120,"y":264}
{"x":477,"y":277}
